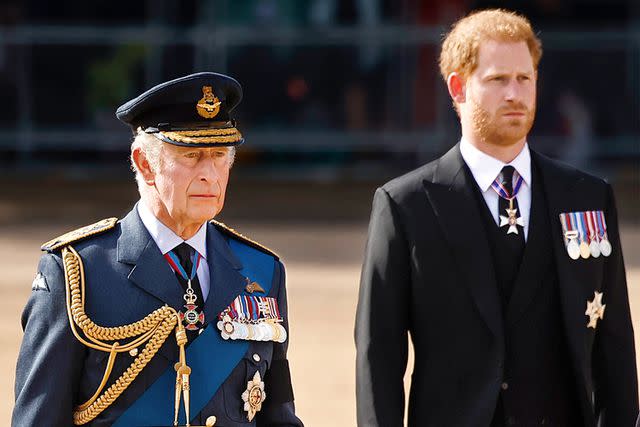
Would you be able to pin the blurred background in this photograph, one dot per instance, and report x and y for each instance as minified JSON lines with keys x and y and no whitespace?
{"x":339,"y":96}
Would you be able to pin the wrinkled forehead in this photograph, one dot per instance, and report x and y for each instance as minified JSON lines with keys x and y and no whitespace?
{"x":176,"y":149}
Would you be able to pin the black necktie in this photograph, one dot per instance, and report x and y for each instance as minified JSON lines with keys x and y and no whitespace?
{"x":512,"y":243}
{"x":185,"y":255}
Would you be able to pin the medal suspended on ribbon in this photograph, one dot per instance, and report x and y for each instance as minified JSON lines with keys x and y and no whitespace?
{"x":254,"y":318}
{"x":192,"y":318}
{"x":585,"y":234}
{"x":511,"y":220}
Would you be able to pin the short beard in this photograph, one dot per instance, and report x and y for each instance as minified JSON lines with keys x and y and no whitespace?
{"x":492,"y":133}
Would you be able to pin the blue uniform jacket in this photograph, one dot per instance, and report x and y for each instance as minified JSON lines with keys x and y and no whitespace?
{"x":126,"y":279}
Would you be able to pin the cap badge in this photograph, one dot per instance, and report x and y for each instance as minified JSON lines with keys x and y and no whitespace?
{"x":209,"y":106}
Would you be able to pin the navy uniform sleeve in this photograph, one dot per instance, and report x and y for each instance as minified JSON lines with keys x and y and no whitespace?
{"x":381,"y":319}
{"x":278,"y":409}
{"x":50,"y":359}
{"x":614,"y":364}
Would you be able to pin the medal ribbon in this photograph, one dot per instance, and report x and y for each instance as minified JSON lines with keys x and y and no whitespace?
{"x":174,"y":262}
{"x":590,"y":225}
{"x":502,"y":191}
{"x":575,"y":216}
{"x":246,"y":307}
{"x":601,"y":224}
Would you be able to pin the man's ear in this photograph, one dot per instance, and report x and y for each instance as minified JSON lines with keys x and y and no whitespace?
{"x":143,"y":166}
{"x":457,"y":88}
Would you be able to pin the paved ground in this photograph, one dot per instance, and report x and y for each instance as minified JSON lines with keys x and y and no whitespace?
{"x":323,"y":262}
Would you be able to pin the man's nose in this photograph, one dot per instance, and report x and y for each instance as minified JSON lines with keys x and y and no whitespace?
{"x":208,"y":170}
{"x":512,"y":91}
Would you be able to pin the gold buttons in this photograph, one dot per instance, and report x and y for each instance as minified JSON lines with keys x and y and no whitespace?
{"x":256,"y":357}
{"x":211,"y":421}
{"x":133,"y":352}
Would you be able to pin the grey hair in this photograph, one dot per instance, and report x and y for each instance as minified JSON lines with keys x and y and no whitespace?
{"x":150,"y":146}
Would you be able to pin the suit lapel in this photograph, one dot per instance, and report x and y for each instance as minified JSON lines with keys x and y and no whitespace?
{"x":535,"y":263}
{"x":150,"y":271}
{"x":226,"y":282}
{"x":451,"y":195}
{"x":560,"y":191}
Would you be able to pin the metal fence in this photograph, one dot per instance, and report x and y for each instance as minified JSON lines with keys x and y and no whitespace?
{"x":365,"y":94}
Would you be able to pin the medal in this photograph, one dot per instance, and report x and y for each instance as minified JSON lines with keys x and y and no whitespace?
{"x":191,"y":317}
{"x":594,"y":246}
{"x":570,"y":236}
{"x":605,"y":246}
{"x":512,"y":220}
{"x":578,"y":218}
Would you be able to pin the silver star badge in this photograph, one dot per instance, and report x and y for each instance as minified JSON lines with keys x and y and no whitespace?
{"x":512,"y":220}
{"x":595,"y":310}
{"x":253,"y":396}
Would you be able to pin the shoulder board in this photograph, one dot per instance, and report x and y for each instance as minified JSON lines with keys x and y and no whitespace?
{"x":233,"y":233}
{"x":80,"y":234}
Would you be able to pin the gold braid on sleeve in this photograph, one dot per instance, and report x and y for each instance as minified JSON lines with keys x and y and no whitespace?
{"x":152,"y":331}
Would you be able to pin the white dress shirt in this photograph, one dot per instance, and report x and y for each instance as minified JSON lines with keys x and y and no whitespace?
{"x":166,"y":240}
{"x":485,"y":170}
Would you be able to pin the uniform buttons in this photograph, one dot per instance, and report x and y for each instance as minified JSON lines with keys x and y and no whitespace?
{"x":504,"y":386}
{"x":133,"y":352}
{"x":211,"y":421}
{"x":256,"y":357}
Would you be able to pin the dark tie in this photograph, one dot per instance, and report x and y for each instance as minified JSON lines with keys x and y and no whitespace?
{"x":185,"y":255}
{"x":512,"y":243}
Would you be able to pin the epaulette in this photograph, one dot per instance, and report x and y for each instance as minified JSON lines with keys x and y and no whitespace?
{"x":233,"y":233}
{"x":80,"y":234}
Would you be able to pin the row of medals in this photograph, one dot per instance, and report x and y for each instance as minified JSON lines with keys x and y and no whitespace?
{"x":577,"y":248}
{"x":255,"y":330}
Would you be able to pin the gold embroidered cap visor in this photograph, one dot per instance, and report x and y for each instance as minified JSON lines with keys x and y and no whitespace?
{"x":193,"y":110}
{"x":210,"y":137}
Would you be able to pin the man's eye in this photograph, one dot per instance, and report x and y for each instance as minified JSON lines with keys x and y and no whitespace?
{"x":191,"y":155}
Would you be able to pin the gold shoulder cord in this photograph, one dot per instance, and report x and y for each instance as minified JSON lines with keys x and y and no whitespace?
{"x":152,"y":330}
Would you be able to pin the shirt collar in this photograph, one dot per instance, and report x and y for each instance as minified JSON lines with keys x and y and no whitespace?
{"x":485,"y":168}
{"x":165,"y":238}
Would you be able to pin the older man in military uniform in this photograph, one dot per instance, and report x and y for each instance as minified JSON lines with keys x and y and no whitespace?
{"x":164,"y":317}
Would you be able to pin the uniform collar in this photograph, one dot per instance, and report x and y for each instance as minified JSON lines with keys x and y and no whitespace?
{"x":485,"y":168}
{"x":165,"y":238}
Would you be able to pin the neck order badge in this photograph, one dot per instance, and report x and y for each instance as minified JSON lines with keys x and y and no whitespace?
{"x":512,"y":219}
{"x":191,"y":316}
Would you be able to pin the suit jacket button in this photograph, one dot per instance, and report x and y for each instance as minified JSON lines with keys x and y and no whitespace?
{"x":256,"y":357}
{"x":504,"y":386}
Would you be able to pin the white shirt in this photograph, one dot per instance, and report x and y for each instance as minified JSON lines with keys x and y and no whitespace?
{"x":485,"y":170}
{"x":166,"y":240}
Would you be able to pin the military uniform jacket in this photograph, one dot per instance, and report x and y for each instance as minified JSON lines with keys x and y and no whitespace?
{"x":428,"y":271}
{"x":126,"y":279}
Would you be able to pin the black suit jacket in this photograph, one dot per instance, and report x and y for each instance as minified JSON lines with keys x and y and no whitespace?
{"x":428,"y":272}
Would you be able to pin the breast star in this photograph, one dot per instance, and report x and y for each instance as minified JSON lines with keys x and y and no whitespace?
{"x":595,"y":310}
